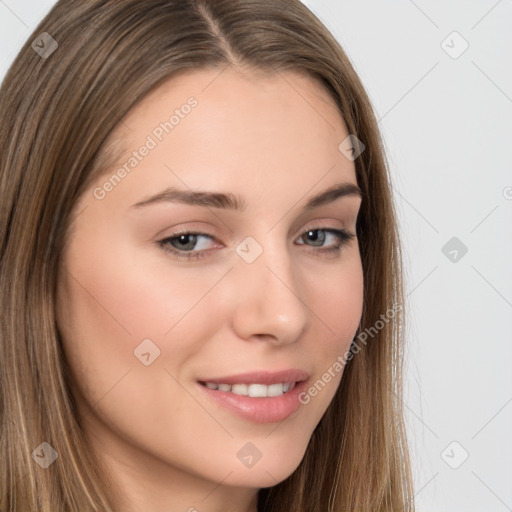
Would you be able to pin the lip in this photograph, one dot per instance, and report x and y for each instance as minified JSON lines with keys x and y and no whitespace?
{"x":261,"y":377}
{"x":258,"y":409}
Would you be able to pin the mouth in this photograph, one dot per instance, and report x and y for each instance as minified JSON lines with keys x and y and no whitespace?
{"x":254,"y":390}
{"x":261,"y":396}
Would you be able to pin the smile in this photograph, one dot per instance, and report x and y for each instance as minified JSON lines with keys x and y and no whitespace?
{"x":260,"y":396}
{"x":253,"y":390}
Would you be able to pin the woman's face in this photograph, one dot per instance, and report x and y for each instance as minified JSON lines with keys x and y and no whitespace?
{"x":163,"y":291}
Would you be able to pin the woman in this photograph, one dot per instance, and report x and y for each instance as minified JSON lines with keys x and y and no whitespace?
{"x":200,"y":276}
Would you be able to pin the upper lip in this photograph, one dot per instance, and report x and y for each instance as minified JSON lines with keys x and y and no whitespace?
{"x":261,"y":377}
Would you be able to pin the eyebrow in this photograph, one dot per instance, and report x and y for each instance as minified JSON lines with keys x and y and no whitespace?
{"x":231,"y":201}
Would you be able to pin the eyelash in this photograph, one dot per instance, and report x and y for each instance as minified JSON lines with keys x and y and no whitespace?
{"x":344,"y":238}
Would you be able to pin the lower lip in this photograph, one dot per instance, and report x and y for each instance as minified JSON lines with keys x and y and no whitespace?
{"x":259,"y":409}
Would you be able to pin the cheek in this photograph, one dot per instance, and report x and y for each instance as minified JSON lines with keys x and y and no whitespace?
{"x":108,"y":305}
{"x":112,"y":301}
{"x":337,"y":302}
{"x":119,"y":296}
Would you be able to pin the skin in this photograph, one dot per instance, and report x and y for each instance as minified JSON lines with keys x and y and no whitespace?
{"x":272,"y":139}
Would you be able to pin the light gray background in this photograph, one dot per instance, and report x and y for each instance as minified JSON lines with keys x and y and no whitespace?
{"x":447,"y":124}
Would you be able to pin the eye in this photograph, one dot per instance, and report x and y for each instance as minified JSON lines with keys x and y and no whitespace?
{"x":182,"y":244}
{"x":190,"y":245}
{"x":321,"y":235}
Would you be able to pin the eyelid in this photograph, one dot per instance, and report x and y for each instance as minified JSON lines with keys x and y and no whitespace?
{"x":344,"y":236}
{"x":310,"y":226}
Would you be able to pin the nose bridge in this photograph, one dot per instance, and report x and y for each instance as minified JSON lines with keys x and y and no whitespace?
{"x":269,"y":302}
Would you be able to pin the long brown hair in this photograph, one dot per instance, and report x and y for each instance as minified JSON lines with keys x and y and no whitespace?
{"x":57,"y":110}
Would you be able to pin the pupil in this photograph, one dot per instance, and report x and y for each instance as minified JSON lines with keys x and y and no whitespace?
{"x":182,"y":239}
{"x":314,"y":236}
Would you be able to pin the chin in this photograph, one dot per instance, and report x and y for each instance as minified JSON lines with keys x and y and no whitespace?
{"x":269,"y":470}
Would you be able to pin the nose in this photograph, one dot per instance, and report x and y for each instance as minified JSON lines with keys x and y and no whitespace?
{"x":268,"y":301}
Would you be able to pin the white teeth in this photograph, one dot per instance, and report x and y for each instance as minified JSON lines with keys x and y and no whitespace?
{"x":254,"y":390}
{"x":240,"y":389}
{"x":275,"y":389}
{"x":257,"y":390}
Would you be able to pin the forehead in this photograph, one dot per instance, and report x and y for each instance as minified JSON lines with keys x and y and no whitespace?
{"x":259,"y":101}
{"x":231,"y":127}
{"x":235,"y":86}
